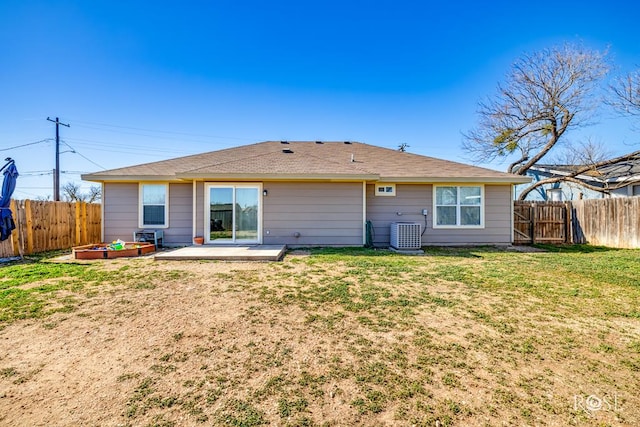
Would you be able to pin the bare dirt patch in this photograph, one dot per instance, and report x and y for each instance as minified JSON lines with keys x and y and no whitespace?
{"x":312,"y":341}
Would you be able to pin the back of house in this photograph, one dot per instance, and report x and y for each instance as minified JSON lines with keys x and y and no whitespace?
{"x":308,"y":193}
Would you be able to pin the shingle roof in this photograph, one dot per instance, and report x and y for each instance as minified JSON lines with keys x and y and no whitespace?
{"x":307,"y":160}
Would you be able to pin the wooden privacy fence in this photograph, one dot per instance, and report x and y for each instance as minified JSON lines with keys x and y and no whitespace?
{"x":613,"y":222}
{"x":541,"y":222}
{"x":45,"y":226}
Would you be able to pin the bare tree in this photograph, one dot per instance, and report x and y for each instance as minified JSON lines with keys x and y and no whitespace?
{"x":626,"y":94}
{"x":546,"y":93}
{"x":95,"y":194}
{"x":71,"y":192}
{"x":585,"y":153}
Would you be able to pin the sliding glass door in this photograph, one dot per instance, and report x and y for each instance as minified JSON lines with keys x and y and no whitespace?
{"x":233,"y":213}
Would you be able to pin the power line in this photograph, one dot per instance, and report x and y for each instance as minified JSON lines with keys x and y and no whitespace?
{"x":26,"y":145}
{"x":28,"y":174}
{"x":156,"y":131}
{"x":49,"y":172}
{"x":157,"y":136}
{"x":91,"y":143}
{"x":81,"y":155}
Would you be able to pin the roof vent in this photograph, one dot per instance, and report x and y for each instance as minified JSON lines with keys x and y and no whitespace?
{"x":284,"y":142}
{"x":347,"y":142}
{"x":287,"y":151}
{"x":319,"y":142}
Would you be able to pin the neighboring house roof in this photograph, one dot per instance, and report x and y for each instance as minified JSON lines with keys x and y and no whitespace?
{"x":309,"y":160}
{"x":624,"y":171}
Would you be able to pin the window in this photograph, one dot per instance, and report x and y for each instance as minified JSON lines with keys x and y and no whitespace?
{"x":458,"y":206}
{"x":153,"y":205}
{"x":385,"y":189}
{"x":635,"y":190}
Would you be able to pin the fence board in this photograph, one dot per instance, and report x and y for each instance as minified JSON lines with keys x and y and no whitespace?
{"x":540,"y":222}
{"x":522,"y":223}
{"x":44,"y":226}
{"x":613,"y":222}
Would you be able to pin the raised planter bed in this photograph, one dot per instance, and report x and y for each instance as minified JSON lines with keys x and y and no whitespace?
{"x":102,"y":251}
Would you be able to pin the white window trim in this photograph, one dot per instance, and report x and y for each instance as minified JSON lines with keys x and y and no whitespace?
{"x":141,"y":210}
{"x":458,"y":227}
{"x":384,"y":194}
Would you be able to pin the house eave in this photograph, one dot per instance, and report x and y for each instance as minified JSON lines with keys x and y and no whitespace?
{"x":628,"y":179}
{"x":587,"y":178}
{"x":188,"y":177}
{"x":516,"y":179}
{"x":129,"y":178}
{"x":277,"y":177}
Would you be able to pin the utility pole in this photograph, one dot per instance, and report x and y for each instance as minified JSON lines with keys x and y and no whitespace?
{"x":56,"y":172}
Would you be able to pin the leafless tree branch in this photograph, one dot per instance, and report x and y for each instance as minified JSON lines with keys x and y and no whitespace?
{"x":571,"y":177}
{"x":71,"y":192}
{"x":545,"y":95}
{"x":626,"y":94}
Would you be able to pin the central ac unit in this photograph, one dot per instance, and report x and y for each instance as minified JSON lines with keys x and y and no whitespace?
{"x":405,"y":235}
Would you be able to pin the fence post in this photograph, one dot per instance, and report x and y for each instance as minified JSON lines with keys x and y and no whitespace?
{"x":534,"y":212}
{"x":15,"y":241}
{"x":85,"y":225}
{"x":568,"y":222}
{"x":28,"y":226}
{"x":77,"y":215}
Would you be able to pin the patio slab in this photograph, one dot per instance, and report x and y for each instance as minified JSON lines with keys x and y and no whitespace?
{"x":225,"y":253}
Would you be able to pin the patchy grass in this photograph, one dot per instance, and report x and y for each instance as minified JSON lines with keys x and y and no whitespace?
{"x":41,"y":288}
{"x":460,"y":336}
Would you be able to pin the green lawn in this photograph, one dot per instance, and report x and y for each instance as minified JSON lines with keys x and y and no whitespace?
{"x":474,"y":336}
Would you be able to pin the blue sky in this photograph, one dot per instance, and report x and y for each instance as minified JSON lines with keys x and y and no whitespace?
{"x":144,"y":81}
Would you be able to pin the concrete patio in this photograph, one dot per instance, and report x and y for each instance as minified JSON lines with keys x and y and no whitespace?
{"x":224,"y":253}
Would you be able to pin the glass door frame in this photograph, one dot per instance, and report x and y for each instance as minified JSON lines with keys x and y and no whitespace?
{"x":207,"y":212}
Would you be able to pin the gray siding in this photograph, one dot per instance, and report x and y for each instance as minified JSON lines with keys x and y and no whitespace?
{"x":121,"y":213}
{"x":180,"y":215}
{"x":411,"y":199}
{"x":383,"y":210}
{"x":200,"y":225}
{"x":325,"y":214}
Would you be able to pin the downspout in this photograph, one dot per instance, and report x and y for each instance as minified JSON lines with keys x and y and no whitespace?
{"x":364,"y":213}
{"x":193,"y":210}
{"x":102,"y":213}
{"x":512,"y":221}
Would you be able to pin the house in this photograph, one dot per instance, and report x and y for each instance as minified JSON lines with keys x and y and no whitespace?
{"x":617,"y":180}
{"x":307,"y":194}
